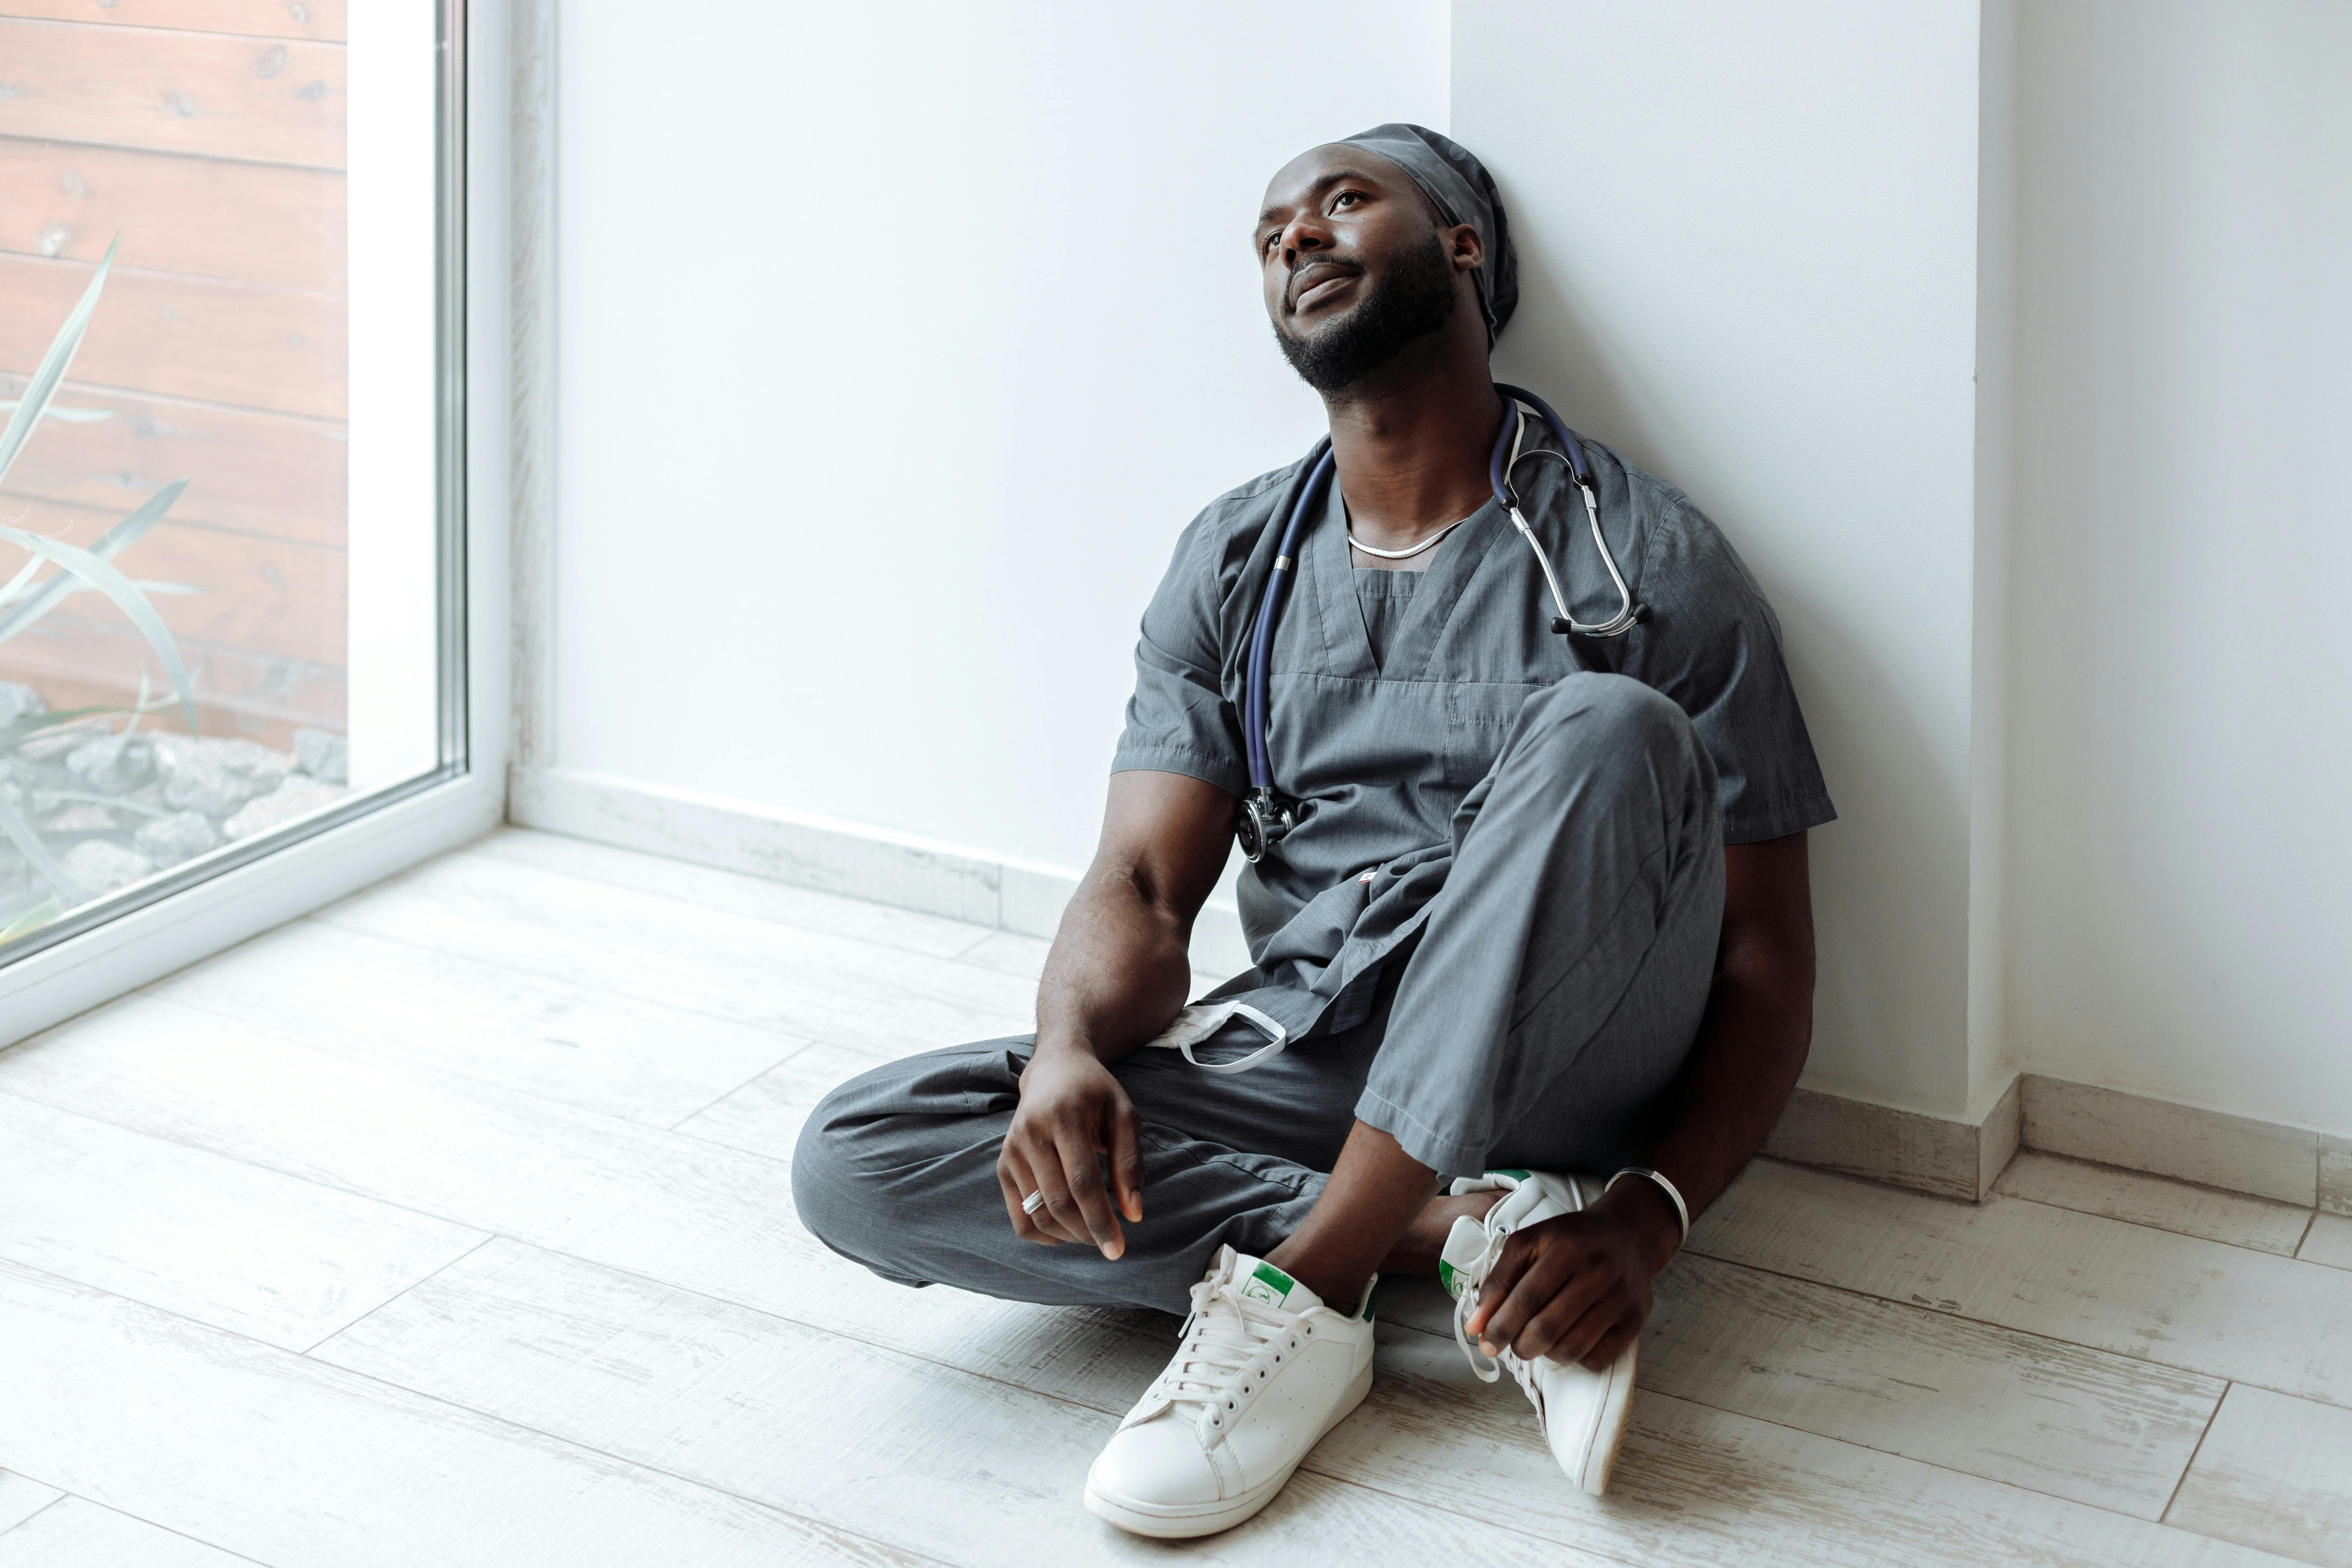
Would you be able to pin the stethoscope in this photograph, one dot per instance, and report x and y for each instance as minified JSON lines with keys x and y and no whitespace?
{"x":1266,"y":816}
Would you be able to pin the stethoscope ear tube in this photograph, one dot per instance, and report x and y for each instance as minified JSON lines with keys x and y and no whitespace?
{"x":1266,"y":817}
{"x":1500,"y":470}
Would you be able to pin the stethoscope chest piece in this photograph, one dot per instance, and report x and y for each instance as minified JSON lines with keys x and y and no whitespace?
{"x":1263,"y":818}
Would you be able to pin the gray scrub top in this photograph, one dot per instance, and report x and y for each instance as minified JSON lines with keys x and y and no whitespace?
{"x":1379,"y":752}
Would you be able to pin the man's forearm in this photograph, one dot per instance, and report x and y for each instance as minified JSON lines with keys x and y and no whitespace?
{"x":1118,"y":971}
{"x":1750,"y":1048}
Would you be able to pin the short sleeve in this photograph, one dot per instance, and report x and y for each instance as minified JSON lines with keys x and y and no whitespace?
{"x":1712,"y":644}
{"x":1179,"y":721}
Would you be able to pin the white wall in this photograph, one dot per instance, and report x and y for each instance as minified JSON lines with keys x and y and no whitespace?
{"x":897,"y":346}
{"x":2180,"y":652}
{"x":2008,"y":342}
{"x":1748,"y":260}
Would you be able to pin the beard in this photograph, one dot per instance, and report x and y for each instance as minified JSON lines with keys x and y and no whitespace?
{"x":1414,"y":301}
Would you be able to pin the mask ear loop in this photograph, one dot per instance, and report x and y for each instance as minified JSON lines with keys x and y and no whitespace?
{"x":1202,"y":1019}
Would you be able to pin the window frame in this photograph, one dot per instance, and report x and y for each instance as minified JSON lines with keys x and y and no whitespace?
{"x":123,"y":941}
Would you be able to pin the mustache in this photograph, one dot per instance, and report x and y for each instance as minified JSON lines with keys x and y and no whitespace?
{"x":1291,"y":291}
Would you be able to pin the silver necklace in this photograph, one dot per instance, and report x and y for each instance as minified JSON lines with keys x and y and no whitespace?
{"x":1428,"y":543}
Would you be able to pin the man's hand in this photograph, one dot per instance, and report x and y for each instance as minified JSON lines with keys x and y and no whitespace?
{"x":1072,"y":1113}
{"x":1576,"y":1287}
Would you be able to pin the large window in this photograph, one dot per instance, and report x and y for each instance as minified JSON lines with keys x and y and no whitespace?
{"x":229,"y":540}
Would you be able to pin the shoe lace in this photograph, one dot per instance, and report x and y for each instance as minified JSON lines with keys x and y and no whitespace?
{"x":1489,"y":1369}
{"x":1231,"y":1345}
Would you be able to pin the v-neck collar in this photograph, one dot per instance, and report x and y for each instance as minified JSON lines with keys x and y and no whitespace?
{"x":1413,"y":644}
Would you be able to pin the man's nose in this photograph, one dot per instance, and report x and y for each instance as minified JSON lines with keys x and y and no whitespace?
{"x":1303,"y":238}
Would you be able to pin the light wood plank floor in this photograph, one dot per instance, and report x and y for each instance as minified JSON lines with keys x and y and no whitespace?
{"x":453,"y":1224}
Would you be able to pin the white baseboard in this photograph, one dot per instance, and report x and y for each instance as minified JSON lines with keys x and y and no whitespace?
{"x":836,"y":857}
{"x":1955,"y":1157}
{"x":1962,"y":1157}
{"x":2190,"y":1142}
{"x":1952,"y":1157}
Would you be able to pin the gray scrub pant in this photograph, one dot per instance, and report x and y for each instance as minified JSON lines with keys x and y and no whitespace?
{"x":1537,"y":1023}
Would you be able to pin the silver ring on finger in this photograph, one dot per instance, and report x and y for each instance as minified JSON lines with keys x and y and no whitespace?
{"x":1033,"y":1203}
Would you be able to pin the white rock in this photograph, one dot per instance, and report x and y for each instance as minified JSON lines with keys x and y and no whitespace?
{"x":101,"y":866}
{"x":168,"y":840}
{"x":19,"y":701}
{"x":295,"y":797}
{"x":80,"y":818}
{"x":112,"y":764}
{"x":323,"y":754}
{"x":216,"y":775}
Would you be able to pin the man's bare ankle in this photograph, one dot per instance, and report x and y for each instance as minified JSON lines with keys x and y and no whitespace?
{"x":1340,"y":1293}
{"x":1417,"y":1249}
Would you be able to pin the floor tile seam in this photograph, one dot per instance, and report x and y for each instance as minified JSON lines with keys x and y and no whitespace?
{"x":2150,"y":1224}
{"x":62,"y":1495}
{"x":2182,"y":1479}
{"x":1979,"y":1207}
{"x":1874,"y":1298}
{"x":985,"y":930}
{"x":796,"y":1044}
{"x":576,"y":1444}
{"x":357,"y":1318}
{"x":2303,"y":1240}
{"x":426,"y":1077}
{"x":1857,"y":1443}
{"x":2163,"y":1176}
{"x":2226,"y":1379}
{"x":676,"y":1127}
{"x":2182,"y":1235}
{"x":895,"y":1352}
{"x":65,"y":1494}
{"x":891,"y":1352}
{"x":1645,"y":1561}
{"x":323,"y":918}
{"x":470,"y":1412}
{"x":250,"y":1164}
{"x":1915,"y":1459}
{"x":777,"y":1315}
{"x":1623,"y":1555}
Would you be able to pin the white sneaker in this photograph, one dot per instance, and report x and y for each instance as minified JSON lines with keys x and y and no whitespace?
{"x":1265,"y":1369}
{"x":1582,"y":1414}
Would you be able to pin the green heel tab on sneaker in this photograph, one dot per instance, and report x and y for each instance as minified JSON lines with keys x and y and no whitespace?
{"x":1268,"y":1284}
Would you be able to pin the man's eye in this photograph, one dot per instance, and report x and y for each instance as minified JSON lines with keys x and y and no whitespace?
{"x":1346,"y":197}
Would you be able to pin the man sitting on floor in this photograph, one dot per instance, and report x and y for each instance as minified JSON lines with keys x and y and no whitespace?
{"x":1530,"y":912}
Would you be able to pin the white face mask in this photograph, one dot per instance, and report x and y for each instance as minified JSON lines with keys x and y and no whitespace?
{"x":1202,"y":1019}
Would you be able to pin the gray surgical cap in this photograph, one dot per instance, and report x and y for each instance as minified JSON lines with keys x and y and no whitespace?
{"x":1458,"y":186}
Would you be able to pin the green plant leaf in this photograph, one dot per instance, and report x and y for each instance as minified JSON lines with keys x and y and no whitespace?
{"x":29,"y":843}
{"x":53,"y":364}
{"x":119,"y":537}
{"x":22,"y":729}
{"x":71,"y":416}
{"x":28,"y":914}
{"x":16,"y":586}
{"x":127,"y":599}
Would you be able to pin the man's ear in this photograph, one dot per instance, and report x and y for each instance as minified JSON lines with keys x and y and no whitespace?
{"x":1468,"y":251}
